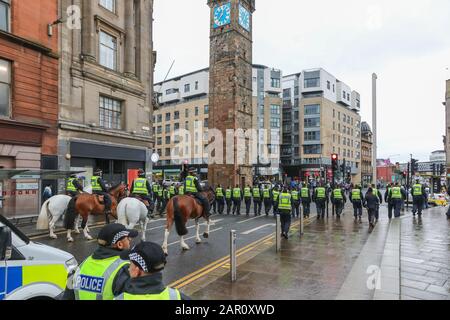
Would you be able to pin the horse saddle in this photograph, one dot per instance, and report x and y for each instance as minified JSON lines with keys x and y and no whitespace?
{"x":199,"y":202}
{"x":144,"y":201}
{"x":101,"y":199}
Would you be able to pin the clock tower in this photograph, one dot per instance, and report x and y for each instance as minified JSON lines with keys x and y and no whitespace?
{"x":230,"y":87}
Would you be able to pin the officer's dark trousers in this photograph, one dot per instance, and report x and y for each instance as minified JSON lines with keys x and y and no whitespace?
{"x":248,"y":204}
{"x":285,"y":219}
{"x":229,"y":203}
{"x":390,"y":208}
{"x":267,"y":206}
{"x":372,"y":215}
{"x":306,"y":207}
{"x":295,"y":209}
{"x":237,"y":206}
{"x":339,"y":206}
{"x":215,"y":206}
{"x":418,"y":204}
{"x":357,"y":209}
{"x":72,"y":193}
{"x":163,"y":206}
{"x":257,"y":207}
{"x":205,"y":204}
{"x":397,"y":207}
{"x":320,"y":204}
{"x":220,"y":204}
{"x":107,"y":200}
{"x":275,"y":208}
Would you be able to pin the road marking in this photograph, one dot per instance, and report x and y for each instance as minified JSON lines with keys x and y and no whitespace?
{"x":214,"y":230}
{"x":213,"y":222}
{"x":259,"y":228}
{"x":94,"y":226}
{"x":250,"y":219}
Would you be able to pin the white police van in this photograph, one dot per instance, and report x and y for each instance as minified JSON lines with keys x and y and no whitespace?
{"x":29,"y":270}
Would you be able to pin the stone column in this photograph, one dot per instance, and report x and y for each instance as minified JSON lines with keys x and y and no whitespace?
{"x":88,"y":38}
{"x":130,"y":40}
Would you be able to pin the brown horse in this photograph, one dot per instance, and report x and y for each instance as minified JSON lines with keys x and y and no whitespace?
{"x":182,"y":208}
{"x":86,"y":204}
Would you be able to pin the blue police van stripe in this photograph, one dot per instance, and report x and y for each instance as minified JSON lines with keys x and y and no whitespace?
{"x":2,"y":282}
{"x":14,"y":279}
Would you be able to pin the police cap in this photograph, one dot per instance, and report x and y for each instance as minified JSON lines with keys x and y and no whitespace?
{"x":112,"y":233}
{"x":148,"y":256}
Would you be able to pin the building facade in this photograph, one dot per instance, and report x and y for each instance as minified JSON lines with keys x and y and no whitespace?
{"x":106,"y":87}
{"x":320,"y":117}
{"x":230,"y":83}
{"x":28,"y":99}
{"x":185,"y":106}
{"x":366,"y":154}
{"x":447,"y":126}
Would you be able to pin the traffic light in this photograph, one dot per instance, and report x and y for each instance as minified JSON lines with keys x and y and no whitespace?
{"x":414,"y":166}
{"x":433,"y":168}
{"x":442,"y":169}
{"x":334,"y":162}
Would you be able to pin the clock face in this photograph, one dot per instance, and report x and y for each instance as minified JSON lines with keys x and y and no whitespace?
{"x":244,"y":18}
{"x":222,"y":15}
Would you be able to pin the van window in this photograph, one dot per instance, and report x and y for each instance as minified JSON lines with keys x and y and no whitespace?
{"x":18,"y":238}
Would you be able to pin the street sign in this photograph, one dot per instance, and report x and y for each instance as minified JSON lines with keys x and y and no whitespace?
{"x":26,"y":177}
{"x":27,"y":186}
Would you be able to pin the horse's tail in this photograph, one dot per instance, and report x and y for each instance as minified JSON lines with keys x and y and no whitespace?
{"x":122,"y":215}
{"x":177,"y":216}
{"x":69,"y":218}
{"x":42,"y":222}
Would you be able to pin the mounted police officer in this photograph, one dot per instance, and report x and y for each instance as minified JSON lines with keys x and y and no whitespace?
{"x":257,"y":199}
{"x":419,"y":198}
{"x":103,"y":275}
{"x":306,"y":200}
{"x":356,"y":198}
{"x":99,"y":188}
{"x":140,"y":188}
{"x":220,"y":199}
{"x":338,"y":199}
{"x":237,"y":199}
{"x":284,"y":210}
{"x":147,"y":261}
{"x":73,"y":187}
{"x":192,"y":186}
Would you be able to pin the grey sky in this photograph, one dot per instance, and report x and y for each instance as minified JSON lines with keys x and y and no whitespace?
{"x":406,"y":42}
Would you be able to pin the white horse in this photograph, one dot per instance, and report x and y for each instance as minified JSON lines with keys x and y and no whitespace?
{"x":130,"y":212}
{"x":53,"y":209}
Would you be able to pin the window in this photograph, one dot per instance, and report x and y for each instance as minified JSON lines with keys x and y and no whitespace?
{"x":5,"y":88}
{"x":186,"y":125}
{"x":334,"y":125}
{"x":176,"y":115}
{"x":275,"y":82}
{"x":296,"y":115}
{"x":167,"y":139}
{"x":348,"y":96}
{"x":286,"y":93}
{"x":205,"y":123}
{"x":261,"y":123}
{"x":110,"y":113}
{"x":328,"y":85}
{"x":312,"y":109}
{"x":206,"y":109}
{"x":159,"y":141}
{"x":344,"y":96}
{"x":167,"y":152}
{"x":4,"y":15}
{"x":186,"y":113}
{"x":196,"y":85}
{"x":187,"y":87}
{"x":334,"y":113}
{"x":176,"y":126}
{"x":334,"y":138}
{"x":108,"y":4}
{"x":312,"y":122}
{"x":196,"y":111}
{"x":108,"y":51}
{"x":334,"y":88}
{"x":312,"y":149}
{"x":261,"y":110}
{"x":168,"y":116}
{"x":296,"y":127}
{"x":296,"y":90}
{"x":312,"y":136}
{"x":275,"y":123}
{"x":167,"y":128}
{"x":339,"y":116}
{"x":159,"y":131}
{"x":274,"y":109}
{"x":296,"y":139}
{"x":159,"y":118}
{"x":344,"y":118}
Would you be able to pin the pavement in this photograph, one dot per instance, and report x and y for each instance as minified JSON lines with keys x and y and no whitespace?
{"x":400,"y":259}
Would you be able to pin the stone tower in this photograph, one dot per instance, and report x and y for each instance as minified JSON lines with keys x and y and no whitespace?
{"x":230,"y":85}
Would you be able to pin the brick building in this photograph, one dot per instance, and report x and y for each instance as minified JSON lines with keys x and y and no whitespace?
{"x":28,"y":98}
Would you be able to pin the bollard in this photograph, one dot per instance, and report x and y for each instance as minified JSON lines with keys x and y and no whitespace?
{"x":233,"y":255}
{"x":278,"y":234}
{"x":301,"y":225}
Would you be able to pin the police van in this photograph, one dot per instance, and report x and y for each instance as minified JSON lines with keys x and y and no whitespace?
{"x":29,"y":270}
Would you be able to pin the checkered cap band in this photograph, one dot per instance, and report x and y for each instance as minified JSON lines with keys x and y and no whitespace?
{"x":136,"y":257}
{"x":119,"y":236}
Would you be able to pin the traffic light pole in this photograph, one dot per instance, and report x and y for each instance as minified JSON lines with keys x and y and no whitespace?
{"x":407,"y":185}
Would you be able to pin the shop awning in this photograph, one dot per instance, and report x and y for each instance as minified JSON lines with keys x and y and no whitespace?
{"x":24,"y":174}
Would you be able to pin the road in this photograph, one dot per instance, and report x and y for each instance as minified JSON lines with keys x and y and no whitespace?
{"x":179,"y":263}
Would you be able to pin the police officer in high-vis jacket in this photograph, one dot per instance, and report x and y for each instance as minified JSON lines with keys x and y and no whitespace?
{"x":338,"y":199}
{"x":397,"y":195}
{"x":356,"y":198}
{"x":140,"y":188}
{"x":320,"y":197}
{"x":237,"y":199}
{"x":247,"y":199}
{"x":192,"y":186}
{"x":99,"y":187}
{"x":103,"y":275}
{"x":73,"y":187}
{"x":305,"y":195}
{"x":419,"y":198}
{"x":220,"y":199}
{"x":228,"y":199}
{"x":284,"y":210}
{"x":147,"y":261}
{"x":257,"y":199}
{"x":267,"y":196}
{"x":295,"y":203}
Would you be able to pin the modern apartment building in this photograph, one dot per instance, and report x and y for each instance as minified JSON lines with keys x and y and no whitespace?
{"x":28,"y":100}
{"x":106,"y":87}
{"x":320,"y":117}
{"x":366,"y":154}
{"x":185,"y":105}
